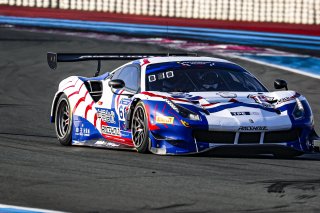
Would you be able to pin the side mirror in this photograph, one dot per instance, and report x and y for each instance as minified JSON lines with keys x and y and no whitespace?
{"x":116,"y":84}
{"x":280,"y":84}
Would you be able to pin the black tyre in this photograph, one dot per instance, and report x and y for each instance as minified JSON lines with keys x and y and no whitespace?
{"x":287,"y":155}
{"x":140,"y":130}
{"x":63,"y":121}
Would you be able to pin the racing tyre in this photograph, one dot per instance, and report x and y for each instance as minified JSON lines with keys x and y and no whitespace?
{"x":63,"y":121}
{"x":140,"y":131}
{"x":287,"y":155}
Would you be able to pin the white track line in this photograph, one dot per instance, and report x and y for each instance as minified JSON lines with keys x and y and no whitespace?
{"x":279,"y":67}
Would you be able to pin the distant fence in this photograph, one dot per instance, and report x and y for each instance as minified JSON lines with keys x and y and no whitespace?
{"x":280,"y":11}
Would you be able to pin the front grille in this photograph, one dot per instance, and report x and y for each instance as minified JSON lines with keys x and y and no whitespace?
{"x":214,"y":136}
{"x":224,"y":137}
{"x":249,"y":137}
{"x":281,"y":136}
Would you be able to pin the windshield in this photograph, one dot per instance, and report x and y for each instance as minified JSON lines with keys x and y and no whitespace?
{"x":193,"y":78}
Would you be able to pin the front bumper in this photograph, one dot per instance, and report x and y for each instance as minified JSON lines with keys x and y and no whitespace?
{"x":189,"y":140}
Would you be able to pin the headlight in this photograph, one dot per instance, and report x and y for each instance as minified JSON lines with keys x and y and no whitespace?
{"x":298,"y":112}
{"x":183,"y":111}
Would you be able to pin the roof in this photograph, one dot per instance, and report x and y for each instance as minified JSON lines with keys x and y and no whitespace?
{"x":154,"y":60}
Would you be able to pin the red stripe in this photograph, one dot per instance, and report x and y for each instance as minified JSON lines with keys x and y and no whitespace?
{"x":155,"y":114}
{"x":67,"y":83}
{"x":71,"y":85}
{"x":89,"y":107}
{"x":163,"y":108}
{"x":211,"y":104}
{"x":117,"y":101}
{"x":303,"y":29}
{"x":145,"y":62}
{"x":76,"y":92}
{"x":233,"y":100}
{"x":79,"y":101}
{"x":162,"y":96}
{"x":150,"y":125}
{"x":95,"y":119}
{"x":118,"y":139}
{"x":174,"y":115}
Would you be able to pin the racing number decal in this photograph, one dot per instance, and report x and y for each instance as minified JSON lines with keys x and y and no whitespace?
{"x":122,"y":112}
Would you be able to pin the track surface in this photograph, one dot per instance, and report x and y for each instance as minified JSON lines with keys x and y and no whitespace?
{"x":35,"y":171}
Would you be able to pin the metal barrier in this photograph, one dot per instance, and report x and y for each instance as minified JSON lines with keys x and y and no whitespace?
{"x":281,"y":11}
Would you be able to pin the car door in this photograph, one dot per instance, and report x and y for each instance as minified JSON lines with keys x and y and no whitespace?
{"x":112,"y":106}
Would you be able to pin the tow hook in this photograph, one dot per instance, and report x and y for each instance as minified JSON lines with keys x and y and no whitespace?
{"x":316,"y":145}
{"x":314,"y":141}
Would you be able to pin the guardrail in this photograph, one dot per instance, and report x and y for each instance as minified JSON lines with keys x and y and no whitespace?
{"x":279,"y":11}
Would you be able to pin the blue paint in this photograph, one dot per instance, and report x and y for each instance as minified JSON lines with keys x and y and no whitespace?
{"x":306,"y":64}
{"x":16,"y":210}
{"x":230,"y":36}
{"x":83,"y":130}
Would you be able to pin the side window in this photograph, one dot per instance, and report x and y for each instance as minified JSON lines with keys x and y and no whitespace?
{"x":131,"y":77}
{"x":116,"y":74}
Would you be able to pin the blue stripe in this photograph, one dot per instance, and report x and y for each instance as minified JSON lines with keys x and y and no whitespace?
{"x":238,"y":104}
{"x":15,"y":210}
{"x":231,"y":36}
{"x":114,"y":98}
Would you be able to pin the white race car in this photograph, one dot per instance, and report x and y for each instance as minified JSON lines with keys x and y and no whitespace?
{"x":179,"y":104}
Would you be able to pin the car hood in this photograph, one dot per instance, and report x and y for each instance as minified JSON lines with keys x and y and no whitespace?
{"x":209,"y":98}
{"x":240,"y":111}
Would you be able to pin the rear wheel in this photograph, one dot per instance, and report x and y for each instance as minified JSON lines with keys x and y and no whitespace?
{"x":140,"y":131}
{"x":63,"y":121}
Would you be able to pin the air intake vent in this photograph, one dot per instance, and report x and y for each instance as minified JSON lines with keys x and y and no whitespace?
{"x":249,"y":138}
{"x":282,"y":136}
{"x":214,"y":136}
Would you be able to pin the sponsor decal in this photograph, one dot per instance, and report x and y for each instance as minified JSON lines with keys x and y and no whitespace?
{"x":109,"y":130}
{"x":282,"y":100}
{"x":164,"y":119}
{"x":190,"y":63}
{"x":243,"y":113}
{"x":240,"y":113}
{"x":106,"y":115}
{"x":125,"y":101}
{"x":106,"y":143}
{"x":263,"y":99}
{"x":184,"y":123}
{"x":253,"y":128}
{"x":82,"y":131}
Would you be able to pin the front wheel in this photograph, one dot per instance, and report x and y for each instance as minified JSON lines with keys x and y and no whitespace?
{"x":63,"y":121}
{"x":140,"y":131}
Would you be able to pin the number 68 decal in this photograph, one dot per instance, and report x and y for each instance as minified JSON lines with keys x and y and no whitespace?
{"x":161,"y":76}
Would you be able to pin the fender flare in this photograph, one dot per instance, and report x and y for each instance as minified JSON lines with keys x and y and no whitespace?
{"x":54,"y":105}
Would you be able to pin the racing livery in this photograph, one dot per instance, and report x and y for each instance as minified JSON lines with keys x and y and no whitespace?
{"x":179,"y":104}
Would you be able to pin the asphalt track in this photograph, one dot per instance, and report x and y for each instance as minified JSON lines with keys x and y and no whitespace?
{"x":35,"y":171}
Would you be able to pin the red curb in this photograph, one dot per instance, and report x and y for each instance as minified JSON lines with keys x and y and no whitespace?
{"x":302,"y":29}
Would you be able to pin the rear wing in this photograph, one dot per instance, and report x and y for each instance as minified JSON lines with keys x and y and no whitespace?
{"x":54,"y":58}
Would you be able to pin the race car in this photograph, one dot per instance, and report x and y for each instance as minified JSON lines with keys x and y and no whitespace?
{"x":179,"y":104}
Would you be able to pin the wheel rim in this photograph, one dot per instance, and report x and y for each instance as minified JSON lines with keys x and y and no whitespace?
{"x":139,"y":127}
{"x":63,"y":119}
